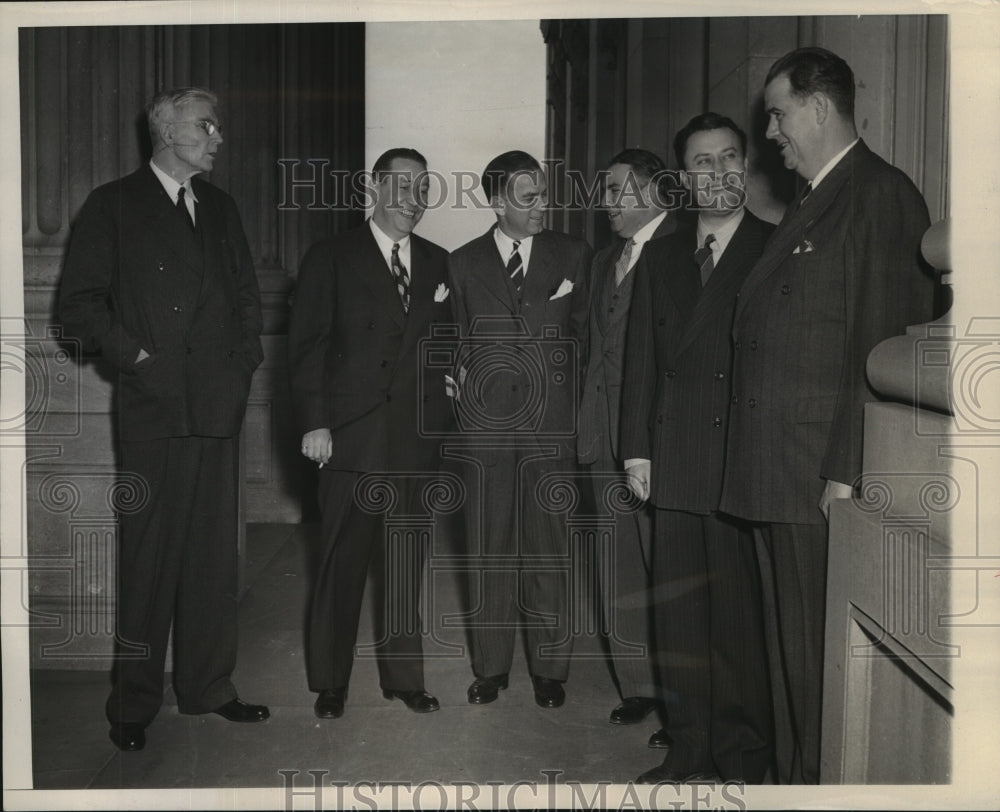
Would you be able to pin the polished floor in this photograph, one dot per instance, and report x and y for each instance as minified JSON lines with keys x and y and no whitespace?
{"x":376,"y":739}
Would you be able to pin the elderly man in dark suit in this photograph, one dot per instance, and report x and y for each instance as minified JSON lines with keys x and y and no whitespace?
{"x":709,"y":642}
{"x":841,"y":273}
{"x":158,"y":277}
{"x":363,"y":302}
{"x":636,"y":199}
{"x":521,"y":292}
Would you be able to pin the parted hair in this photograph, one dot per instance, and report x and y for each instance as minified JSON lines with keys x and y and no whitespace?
{"x":817,"y":70}
{"x":499,"y":172}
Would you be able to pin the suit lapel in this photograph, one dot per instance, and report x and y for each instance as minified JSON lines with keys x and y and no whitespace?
{"x":156,"y":209}
{"x":422,"y":288}
{"x":725,"y":280}
{"x":492,"y":273}
{"x":798,"y":220}
{"x":370,"y":265}
{"x":682,"y":279}
{"x":599,"y":283}
{"x":543,"y":277}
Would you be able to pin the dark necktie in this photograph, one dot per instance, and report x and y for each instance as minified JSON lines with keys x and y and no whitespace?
{"x":703,"y":257}
{"x":515,"y":267}
{"x":402,"y":278}
{"x":621,"y":266}
{"x":183,"y":209}
{"x":806,"y":192}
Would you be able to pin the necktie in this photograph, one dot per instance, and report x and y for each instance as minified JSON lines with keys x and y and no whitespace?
{"x":806,"y":192}
{"x":621,"y":266}
{"x":703,"y":257}
{"x":402,"y":278}
{"x":183,"y":209}
{"x":515,"y":267}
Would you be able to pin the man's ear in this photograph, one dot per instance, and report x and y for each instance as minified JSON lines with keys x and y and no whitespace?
{"x":685,"y":179}
{"x":498,"y":204}
{"x":820,"y":103}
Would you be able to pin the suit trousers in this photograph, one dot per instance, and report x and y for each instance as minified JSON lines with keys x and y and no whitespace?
{"x":793,"y":563}
{"x":177,"y":563}
{"x":622,"y":568}
{"x":710,"y":645}
{"x":520,"y":565}
{"x":354,"y":541}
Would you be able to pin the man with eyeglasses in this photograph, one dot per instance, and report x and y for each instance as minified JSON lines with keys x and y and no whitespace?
{"x":158,"y":278}
{"x":636,"y":200}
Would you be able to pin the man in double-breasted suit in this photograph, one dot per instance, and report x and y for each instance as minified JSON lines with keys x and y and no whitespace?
{"x":707,"y":618}
{"x":158,"y":277}
{"x":367,"y":404}
{"x":636,"y":199}
{"x":841,"y":273}
{"x":520,"y":291}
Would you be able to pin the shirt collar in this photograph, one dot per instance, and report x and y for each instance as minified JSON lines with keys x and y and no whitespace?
{"x":505,"y":244}
{"x":832,"y":163}
{"x":645,"y":234}
{"x":170,"y":186}
{"x":385,"y":242}
{"x":723,"y":234}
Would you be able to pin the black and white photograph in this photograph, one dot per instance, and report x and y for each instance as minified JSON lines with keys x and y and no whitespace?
{"x":494,"y":406}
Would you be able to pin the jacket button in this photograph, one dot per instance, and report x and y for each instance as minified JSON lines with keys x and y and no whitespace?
{"x":598,"y":387}
{"x":659,"y":418}
{"x":371,"y":325}
{"x":717,"y":422}
{"x":737,"y":345}
{"x":178,"y":309}
{"x":735,"y":399}
{"x":753,"y":345}
{"x":785,"y":290}
{"x":671,"y":373}
{"x":383,"y":363}
{"x":719,"y":376}
{"x":752,"y":403}
{"x":229,"y":354}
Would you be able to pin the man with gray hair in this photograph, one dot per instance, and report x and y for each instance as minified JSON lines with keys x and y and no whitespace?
{"x":158,"y":278}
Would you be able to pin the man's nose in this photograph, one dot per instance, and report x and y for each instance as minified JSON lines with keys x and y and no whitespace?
{"x":772,"y":128}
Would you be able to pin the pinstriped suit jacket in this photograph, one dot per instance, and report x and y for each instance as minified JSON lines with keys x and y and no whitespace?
{"x":841,"y":273}
{"x":677,"y":364}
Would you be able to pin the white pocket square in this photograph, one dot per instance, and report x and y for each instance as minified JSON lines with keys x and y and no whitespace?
{"x":565,"y":287}
{"x":441,"y":293}
{"x":805,"y":247}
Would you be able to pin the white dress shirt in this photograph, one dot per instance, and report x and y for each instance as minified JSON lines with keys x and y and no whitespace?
{"x":505,"y":245}
{"x":171,"y":187}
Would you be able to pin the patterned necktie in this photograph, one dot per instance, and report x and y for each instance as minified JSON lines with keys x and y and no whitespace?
{"x":183,"y":209}
{"x":703,"y":257}
{"x":621,"y":266}
{"x":515,"y":267}
{"x":402,"y":278}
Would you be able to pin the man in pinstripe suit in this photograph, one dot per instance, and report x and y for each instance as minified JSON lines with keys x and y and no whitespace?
{"x":636,"y":204}
{"x":710,"y":647}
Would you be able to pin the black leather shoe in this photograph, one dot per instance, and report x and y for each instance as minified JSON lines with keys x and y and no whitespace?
{"x":667,"y":775}
{"x":660,"y":740}
{"x":549,"y":693}
{"x":486,"y":689}
{"x":236,"y":710}
{"x":330,"y":703}
{"x":416,"y":701}
{"x":633,"y":710}
{"x":128,"y":736}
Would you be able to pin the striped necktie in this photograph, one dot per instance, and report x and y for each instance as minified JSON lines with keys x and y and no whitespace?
{"x":705,"y":261}
{"x":402,"y":278}
{"x":515,"y":267}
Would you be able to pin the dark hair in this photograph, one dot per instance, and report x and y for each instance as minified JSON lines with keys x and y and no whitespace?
{"x":702,"y":123}
{"x":499,"y":171}
{"x":645,"y":164}
{"x":384,"y":162}
{"x":817,"y":70}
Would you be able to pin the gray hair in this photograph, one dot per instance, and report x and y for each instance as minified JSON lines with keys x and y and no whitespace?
{"x":168,"y":101}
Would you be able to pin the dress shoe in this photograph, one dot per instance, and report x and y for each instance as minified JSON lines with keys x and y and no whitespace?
{"x":660,"y":740}
{"x":416,"y":701}
{"x":236,"y":710}
{"x":330,"y":703}
{"x":633,"y":710}
{"x":486,"y":689}
{"x":549,"y":693}
{"x":128,"y":736}
{"x":668,"y":775}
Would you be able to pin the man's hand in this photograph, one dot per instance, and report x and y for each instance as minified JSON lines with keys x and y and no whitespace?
{"x":833,"y":490}
{"x":317,"y":445}
{"x":638,"y":478}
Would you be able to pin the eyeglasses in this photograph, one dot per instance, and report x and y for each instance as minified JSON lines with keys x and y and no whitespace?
{"x":210,"y":127}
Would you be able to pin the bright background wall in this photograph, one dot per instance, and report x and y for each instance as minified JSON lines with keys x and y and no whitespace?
{"x":461,"y":93}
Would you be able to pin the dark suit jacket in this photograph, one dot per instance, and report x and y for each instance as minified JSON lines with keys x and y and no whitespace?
{"x":524,"y":367}
{"x":355,"y":357}
{"x":804,"y":326}
{"x":678,"y":363}
{"x":600,"y":408}
{"x":136,"y":276}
